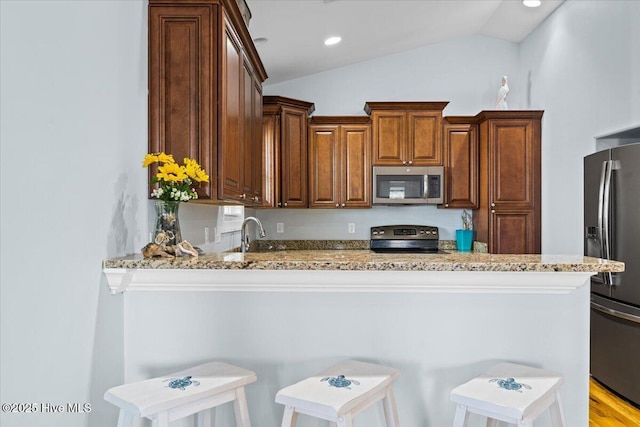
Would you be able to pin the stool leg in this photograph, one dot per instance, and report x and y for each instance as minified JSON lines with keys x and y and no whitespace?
{"x":241,"y":409}
{"x":161,"y":419}
{"x":290,"y":417}
{"x":557,"y":417}
{"x":345,"y":421}
{"x":204,"y":418}
{"x":462,"y":416}
{"x":390,"y":410}
{"x":125,"y":419}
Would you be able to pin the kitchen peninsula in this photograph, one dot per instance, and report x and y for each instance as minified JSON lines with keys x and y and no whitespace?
{"x":439,"y":318}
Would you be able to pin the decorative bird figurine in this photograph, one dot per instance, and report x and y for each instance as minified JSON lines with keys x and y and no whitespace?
{"x":501,"y":98}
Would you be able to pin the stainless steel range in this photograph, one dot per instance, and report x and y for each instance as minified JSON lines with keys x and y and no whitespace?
{"x":404,"y":238}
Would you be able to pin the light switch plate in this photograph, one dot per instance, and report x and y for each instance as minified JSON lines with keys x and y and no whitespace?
{"x":352,"y":227}
{"x":280,"y":227}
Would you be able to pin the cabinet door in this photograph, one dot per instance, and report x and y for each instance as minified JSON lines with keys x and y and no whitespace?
{"x":231,"y":145}
{"x":257,"y":142}
{"x":248,"y":148}
{"x":181,"y":114}
{"x":270,"y":160}
{"x":514,"y":232}
{"x":324,"y":166}
{"x":424,"y":144}
{"x":293,"y":125}
{"x":389,"y":138}
{"x":461,"y":166}
{"x":356,"y":166}
{"x":514,"y":159}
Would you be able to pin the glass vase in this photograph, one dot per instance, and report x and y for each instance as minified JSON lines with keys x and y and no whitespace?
{"x":167,"y":229}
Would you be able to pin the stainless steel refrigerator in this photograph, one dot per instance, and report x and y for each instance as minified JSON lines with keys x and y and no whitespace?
{"x":612,"y":231}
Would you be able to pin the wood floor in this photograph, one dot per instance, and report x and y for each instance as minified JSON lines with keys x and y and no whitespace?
{"x":608,"y":410}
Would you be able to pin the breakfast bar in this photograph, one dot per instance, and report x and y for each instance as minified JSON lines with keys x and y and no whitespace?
{"x":440,"y":319}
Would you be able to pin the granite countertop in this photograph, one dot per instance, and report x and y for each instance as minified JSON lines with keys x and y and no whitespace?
{"x":353,"y":257}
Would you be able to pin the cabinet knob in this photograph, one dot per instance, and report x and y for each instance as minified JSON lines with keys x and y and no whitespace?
{"x":285,"y":204}
{"x":337,"y":205}
{"x":493,"y":205}
{"x":243,"y":196}
{"x":410,"y":162}
{"x":446,"y":205}
{"x":493,"y":211}
{"x":279,"y":204}
{"x":343,"y":205}
{"x":404,"y":162}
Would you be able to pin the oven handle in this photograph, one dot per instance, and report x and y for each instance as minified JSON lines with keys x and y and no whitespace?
{"x":615,"y":313}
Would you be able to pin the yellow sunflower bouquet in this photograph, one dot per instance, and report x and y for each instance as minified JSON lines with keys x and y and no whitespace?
{"x":175,"y":180}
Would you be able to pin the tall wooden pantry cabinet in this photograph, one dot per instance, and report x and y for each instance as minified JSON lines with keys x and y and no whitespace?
{"x":508,"y":218}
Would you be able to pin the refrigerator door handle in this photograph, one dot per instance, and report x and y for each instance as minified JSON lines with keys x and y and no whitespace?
{"x":613,"y":165}
{"x":615,"y":313}
{"x":601,"y":218}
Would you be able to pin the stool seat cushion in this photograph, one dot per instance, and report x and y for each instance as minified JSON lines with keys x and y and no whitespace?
{"x":148,"y":397}
{"x":508,"y":389}
{"x":338,"y":389}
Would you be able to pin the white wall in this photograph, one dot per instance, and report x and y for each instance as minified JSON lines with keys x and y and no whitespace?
{"x":466,"y":72}
{"x":582,"y":66}
{"x":73,"y":136}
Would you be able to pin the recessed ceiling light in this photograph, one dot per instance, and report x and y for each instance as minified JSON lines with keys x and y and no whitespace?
{"x":332,"y":40}
{"x":259,"y":41}
{"x":531,"y":3}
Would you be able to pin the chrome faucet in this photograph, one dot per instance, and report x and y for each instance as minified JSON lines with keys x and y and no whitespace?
{"x":244,"y":237}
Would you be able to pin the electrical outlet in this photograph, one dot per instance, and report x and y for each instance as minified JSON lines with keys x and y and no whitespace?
{"x":280,"y":227}
{"x":217,"y":236}
{"x":352,"y":227}
{"x":206,"y":235}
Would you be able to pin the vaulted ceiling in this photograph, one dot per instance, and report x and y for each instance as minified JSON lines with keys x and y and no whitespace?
{"x":296,"y":29}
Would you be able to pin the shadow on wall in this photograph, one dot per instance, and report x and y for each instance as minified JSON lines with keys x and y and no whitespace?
{"x":107,"y":364}
{"x":120,"y":240}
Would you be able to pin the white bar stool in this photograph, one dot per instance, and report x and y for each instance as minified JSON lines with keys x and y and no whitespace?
{"x":192,"y":391}
{"x":341,"y":392}
{"x":512,"y":393}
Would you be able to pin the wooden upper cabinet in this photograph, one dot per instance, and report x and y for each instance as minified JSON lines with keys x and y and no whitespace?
{"x":285,"y":151}
{"x":231,"y":147}
{"x":460,"y":163}
{"x":508,"y":218}
{"x":205,"y":89}
{"x":182,"y":116}
{"x":424,"y":145}
{"x":406,"y":133}
{"x":324,"y":166}
{"x":356,"y":165}
{"x":515,"y":160}
{"x":339,"y":162}
{"x":294,"y":158}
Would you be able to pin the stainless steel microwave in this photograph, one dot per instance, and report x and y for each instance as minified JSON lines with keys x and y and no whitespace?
{"x":408,"y":185}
